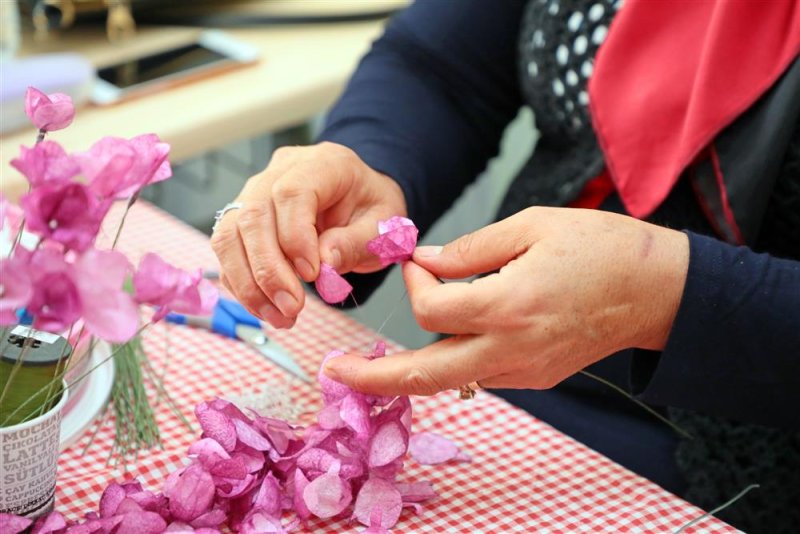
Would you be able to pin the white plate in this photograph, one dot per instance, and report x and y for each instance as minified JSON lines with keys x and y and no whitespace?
{"x":91,"y":396}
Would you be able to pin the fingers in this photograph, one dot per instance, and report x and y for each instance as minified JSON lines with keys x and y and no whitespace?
{"x":268,"y":267}
{"x":453,"y":308}
{"x":301,"y":193}
{"x":443,"y":365}
{"x":237,"y":277}
{"x":479,"y":252}
{"x":345,"y":248}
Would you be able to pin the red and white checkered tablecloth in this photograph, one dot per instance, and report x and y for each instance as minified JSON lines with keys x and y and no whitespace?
{"x":525,"y":476}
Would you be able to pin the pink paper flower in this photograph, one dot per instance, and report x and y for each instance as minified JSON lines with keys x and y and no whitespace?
{"x":13,"y":524}
{"x":108,"y":311}
{"x":45,"y":163}
{"x":16,"y":288}
{"x":396,"y":240}
{"x":331,"y":286}
{"x":49,"y":112}
{"x":67,"y":213}
{"x":10,"y":214}
{"x":91,"y":287}
{"x":120,"y":168}
{"x":168,"y":288}
{"x":56,"y":301}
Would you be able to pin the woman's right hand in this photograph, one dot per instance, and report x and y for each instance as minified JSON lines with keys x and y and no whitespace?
{"x":311,"y":204}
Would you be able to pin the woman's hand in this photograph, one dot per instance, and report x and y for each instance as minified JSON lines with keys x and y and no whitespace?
{"x":311,"y":204}
{"x":573,"y":287}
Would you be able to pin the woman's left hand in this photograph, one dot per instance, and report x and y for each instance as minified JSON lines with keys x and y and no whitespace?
{"x":573,"y":287}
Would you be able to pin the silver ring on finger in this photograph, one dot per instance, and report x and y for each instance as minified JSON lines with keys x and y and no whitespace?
{"x":225,"y":209}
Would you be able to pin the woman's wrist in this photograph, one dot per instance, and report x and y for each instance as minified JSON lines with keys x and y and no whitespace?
{"x":662,"y":281}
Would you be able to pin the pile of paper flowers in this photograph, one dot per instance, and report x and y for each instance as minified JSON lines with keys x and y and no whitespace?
{"x":249,"y":472}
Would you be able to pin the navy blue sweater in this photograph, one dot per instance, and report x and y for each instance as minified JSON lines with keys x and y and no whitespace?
{"x":428,"y":105}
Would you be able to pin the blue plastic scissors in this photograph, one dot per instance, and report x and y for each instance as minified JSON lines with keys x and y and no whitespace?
{"x":231,"y":319}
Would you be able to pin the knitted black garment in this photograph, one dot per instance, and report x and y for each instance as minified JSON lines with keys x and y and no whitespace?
{"x":557,"y":43}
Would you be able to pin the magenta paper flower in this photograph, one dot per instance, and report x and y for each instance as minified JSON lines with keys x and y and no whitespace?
{"x":120,"y":168}
{"x":56,"y":301}
{"x":16,"y":288}
{"x":168,"y":288}
{"x":49,"y":112}
{"x":396,"y":240}
{"x":107,"y":309}
{"x":91,"y":287}
{"x":331,"y":286}
{"x":10,"y":214}
{"x":67,"y":213}
{"x":45,"y":163}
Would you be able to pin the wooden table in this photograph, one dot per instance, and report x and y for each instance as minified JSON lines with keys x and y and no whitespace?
{"x":301,"y":72}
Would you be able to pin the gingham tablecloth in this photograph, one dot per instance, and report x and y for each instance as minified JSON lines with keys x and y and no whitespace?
{"x":525,"y":476}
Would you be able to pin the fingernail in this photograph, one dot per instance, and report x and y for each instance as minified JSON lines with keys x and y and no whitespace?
{"x":332,"y":372}
{"x":285,"y":303}
{"x":336,"y":258}
{"x":427,"y":252}
{"x":267,"y":311}
{"x":304,"y":268}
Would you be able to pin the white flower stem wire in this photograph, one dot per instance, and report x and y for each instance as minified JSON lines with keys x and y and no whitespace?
{"x":718,"y":508}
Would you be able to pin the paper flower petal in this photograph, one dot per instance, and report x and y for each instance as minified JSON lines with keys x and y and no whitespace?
{"x":428,"y":448}
{"x":332,"y":391}
{"x":379,"y":494}
{"x":331,"y":286}
{"x":417,"y":491}
{"x":192,"y":494}
{"x":141,"y":523}
{"x":389,"y":443}
{"x":217,"y":426}
{"x":397,"y":238}
{"x":251,"y":437}
{"x":259,"y":521}
{"x":13,"y":524}
{"x":47,"y":162}
{"x":355,"y":413}
{"x":327,"y":495}
{"x":49,"y":112}
{"x":52,"y":522}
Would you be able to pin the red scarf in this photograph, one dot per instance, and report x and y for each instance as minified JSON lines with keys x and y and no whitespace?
{"x":672,"y":75}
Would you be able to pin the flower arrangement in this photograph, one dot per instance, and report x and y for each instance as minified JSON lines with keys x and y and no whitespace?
{"x":246,"y":471}
{"x":56,"y":279}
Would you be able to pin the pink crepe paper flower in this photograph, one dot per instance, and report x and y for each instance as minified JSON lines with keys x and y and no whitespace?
{"x":168,"y":288}
{"x":67,"y":213}
{"x":46,"y":162}
{"x":16,"y":288}
{"x":56,"y":301}
{"x":331,"y":286}
{"x":396,"y":240}
{"x":13,"y":524}
{"x":49,"y":112}
{"x":119,"y":168}
{"x":10,"y":214}
{"x":107,"y":309}
{"x":91,"y":287}
{"x":429,"y":448}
